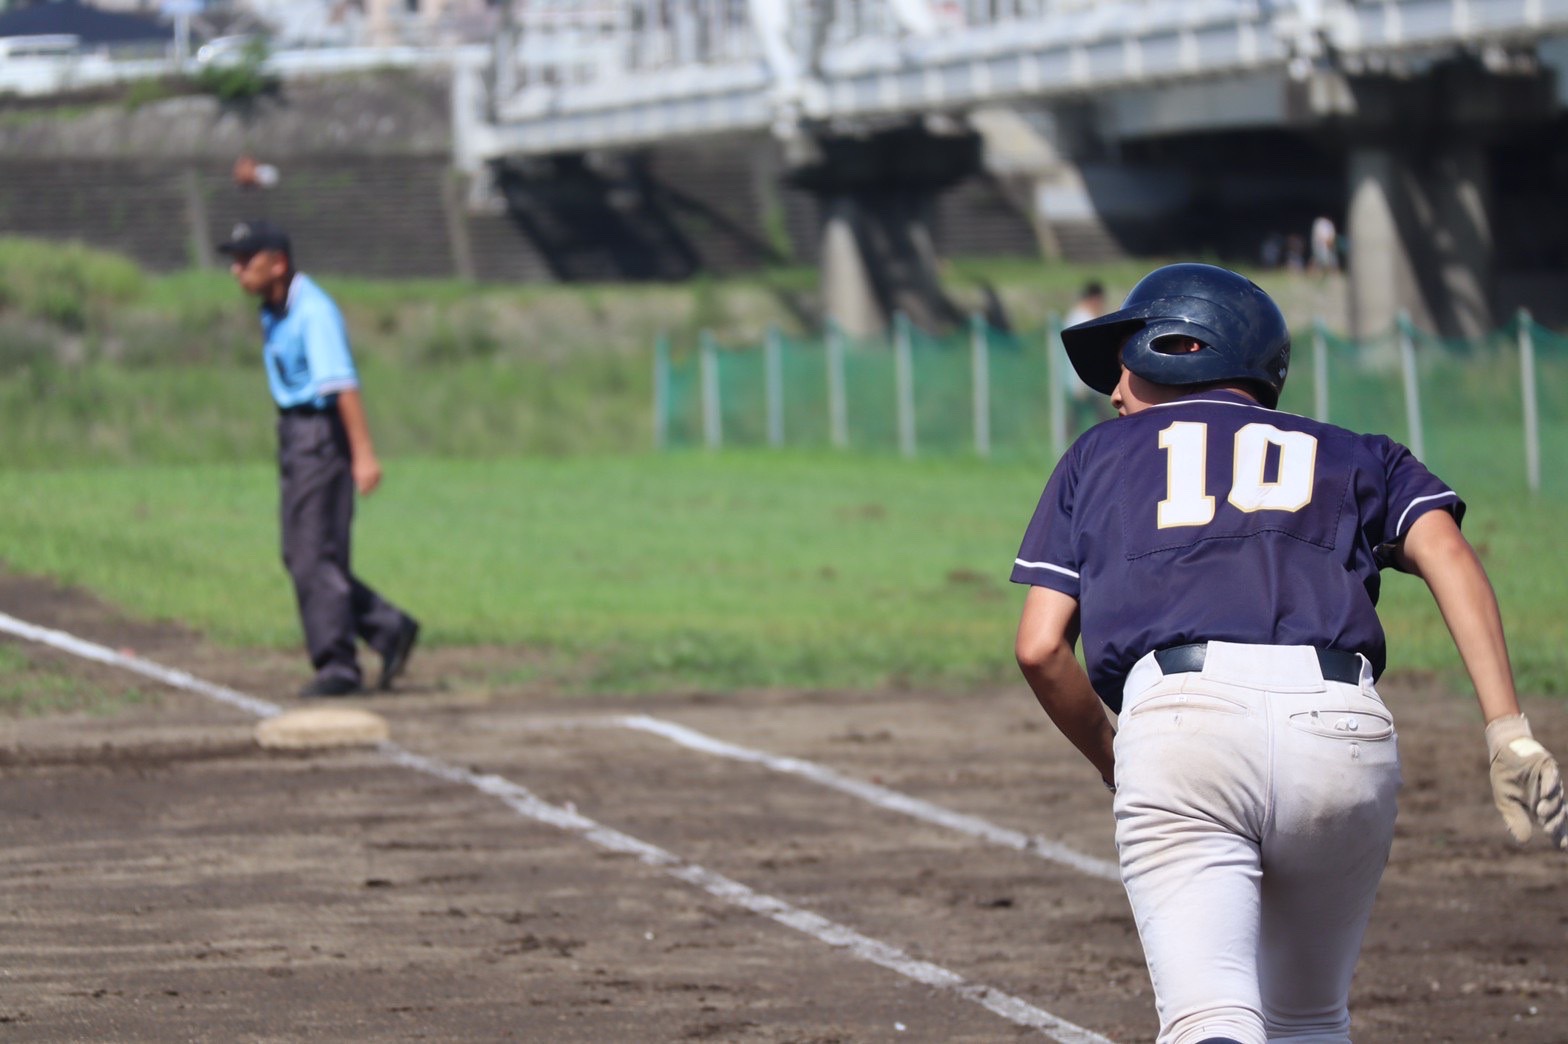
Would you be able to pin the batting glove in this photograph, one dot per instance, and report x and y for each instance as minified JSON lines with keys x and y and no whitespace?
{"x":1526,"y":785}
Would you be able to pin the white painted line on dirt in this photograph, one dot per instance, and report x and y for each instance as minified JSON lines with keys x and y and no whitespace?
{"x":168,"y":675}
{"x":1014,"y":1009}
{"x":520,"y":800}
{"x":877,"y":795}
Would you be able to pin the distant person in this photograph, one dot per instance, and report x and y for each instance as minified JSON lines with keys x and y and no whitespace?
{"x":1295,"y":252}
{"x":1325,"y":245}
{"x":1090,"y":305}
{"x":248,"y":173}
{"x":324,"y":454}
{"x":1272,"y":253}
{"x":1086,"y":406}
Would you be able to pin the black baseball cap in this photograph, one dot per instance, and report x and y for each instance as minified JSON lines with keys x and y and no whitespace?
{"x":252,"y":237}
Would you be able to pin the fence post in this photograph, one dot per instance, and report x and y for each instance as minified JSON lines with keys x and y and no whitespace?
{"x":773,"y":385}
{"x":661,"y":392}
{"x":980,"y":382}
{"x":1319,"y":370}
{"x":1407,"y":363}
{"x":1056,"y":367}
{"x":712,"y":427}
{"x":904,"y":384}
{"x":838,"y":409}
{"x":1532,"y":420}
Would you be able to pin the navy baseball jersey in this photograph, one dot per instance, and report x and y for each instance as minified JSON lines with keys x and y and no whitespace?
{"x":1215,"y":518}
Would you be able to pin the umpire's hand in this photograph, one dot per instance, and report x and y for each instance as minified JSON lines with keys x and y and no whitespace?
{"x":1526,"y":784}
{"x":367,"y":473}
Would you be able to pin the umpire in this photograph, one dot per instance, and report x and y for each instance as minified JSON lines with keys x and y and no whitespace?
{"x":324,"y":455}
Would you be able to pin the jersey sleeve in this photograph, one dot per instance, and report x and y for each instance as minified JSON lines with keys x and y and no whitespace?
{"x":326,"y":350}
{"x":1412,"y":491}
{"x":1047,"y":557}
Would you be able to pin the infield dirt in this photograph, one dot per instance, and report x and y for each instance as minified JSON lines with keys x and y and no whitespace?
{"x":167,"y":880}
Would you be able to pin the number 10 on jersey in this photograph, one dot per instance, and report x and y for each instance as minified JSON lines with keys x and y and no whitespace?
{"x":1188,"y":502}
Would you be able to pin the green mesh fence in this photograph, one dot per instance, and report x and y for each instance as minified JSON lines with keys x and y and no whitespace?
{"x":1020,"y":369}
{"x":1472,"y":406}
{"x":1551,"y":381}
{"x":805,"y":403}
{"x":869,"y":394}
{"x":742,"y":391}
{"x":943,"y":390}
{"x":679,"y":415}
{"x":1365,"y":391}
{"x":1470,"y":415}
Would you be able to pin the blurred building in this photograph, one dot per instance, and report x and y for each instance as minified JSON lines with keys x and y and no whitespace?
{"x":294,"y":23}
{"x":93,"y":27}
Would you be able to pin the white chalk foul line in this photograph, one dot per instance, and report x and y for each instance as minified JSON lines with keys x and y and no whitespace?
{"x":168,"y":675}
{"x":877,"y":795}
{"x":1014,"y":1009}
{"x":520,"y":800}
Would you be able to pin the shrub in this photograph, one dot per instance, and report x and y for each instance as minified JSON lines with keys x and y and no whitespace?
{"x":242,"y":79}
{"x":64,"y":285}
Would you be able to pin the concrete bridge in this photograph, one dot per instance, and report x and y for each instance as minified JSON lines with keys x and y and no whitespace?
{"x":879,"y":105}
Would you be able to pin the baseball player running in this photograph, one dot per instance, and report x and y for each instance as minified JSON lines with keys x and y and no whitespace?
{"x":1220,"y":561}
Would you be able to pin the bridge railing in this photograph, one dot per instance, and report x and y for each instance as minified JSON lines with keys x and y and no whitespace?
{"x":562,"y":43}
{"x":667,"y":68}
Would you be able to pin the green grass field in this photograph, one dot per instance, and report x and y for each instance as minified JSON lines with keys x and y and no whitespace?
{"x":523,"y":508}
{"x":686,"y":571}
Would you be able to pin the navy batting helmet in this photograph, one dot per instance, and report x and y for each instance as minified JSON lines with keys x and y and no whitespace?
{"x":1240,"y":332}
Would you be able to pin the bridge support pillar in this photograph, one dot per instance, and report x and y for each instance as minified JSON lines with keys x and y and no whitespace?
{"x":1420,"y":238}
{"x":849,"y":298}
{"x":878,"y":192}
{"x":1382,"y":274}
{"x":1462,"y":207}
{"x":1420,"y":220}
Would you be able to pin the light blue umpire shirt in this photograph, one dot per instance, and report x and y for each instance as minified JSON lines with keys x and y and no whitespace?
{"x":306,"y":348}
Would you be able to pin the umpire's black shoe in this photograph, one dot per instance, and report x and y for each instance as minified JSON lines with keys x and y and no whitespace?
{"x":396,"y":658}
{"x":330,"y":686}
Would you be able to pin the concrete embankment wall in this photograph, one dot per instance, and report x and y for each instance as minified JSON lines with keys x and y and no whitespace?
{"x":366,"y":188}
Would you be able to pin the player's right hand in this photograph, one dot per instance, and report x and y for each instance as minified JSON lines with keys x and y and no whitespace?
{"x":1526,"y":784}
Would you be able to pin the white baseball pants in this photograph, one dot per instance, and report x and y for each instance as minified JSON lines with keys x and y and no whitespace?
{"x":1254,"y":814}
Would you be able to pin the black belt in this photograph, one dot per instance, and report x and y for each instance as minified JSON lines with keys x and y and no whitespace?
{"x":305,"y":410}
{"x":1337,"y":666}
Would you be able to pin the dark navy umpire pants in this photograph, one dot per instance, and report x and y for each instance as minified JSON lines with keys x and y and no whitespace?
{"x":316,"y":484}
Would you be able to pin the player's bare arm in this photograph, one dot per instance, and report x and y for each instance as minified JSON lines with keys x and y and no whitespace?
{"x":366,"y":468}
{"x":1437,"y":552}
{"x":1047,"y":632}
{"x":1526,"y":783}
